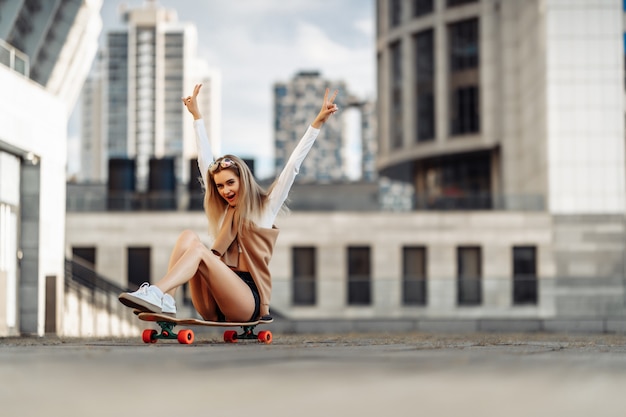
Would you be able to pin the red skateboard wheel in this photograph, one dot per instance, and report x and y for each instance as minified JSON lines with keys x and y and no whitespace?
{"x":185,"y":337}
{"x":265,"y":336}
{"x":148,"y":336}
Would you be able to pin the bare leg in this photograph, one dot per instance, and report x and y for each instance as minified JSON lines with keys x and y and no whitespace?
{"x":224,"y":286}
{"x":184,"y":241}
{"x":202,"y":299}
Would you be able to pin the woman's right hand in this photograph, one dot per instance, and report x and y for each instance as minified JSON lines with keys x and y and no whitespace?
{"x":328,"y":109}
{"x":191,"y":103}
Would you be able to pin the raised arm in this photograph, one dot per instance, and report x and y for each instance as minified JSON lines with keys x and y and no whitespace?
{"x":205,"y":155}
{"x":191,"y":102}
{"x":285,"y":180}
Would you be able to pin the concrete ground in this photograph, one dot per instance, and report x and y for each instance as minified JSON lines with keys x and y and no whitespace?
{"x":396,"y":374}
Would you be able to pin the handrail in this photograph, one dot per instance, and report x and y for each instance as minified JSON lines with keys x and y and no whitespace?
{"x":82,"y":273}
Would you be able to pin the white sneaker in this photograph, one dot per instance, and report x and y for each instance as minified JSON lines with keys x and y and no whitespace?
{"x":168,"y":305}
{"x":146,"y":298}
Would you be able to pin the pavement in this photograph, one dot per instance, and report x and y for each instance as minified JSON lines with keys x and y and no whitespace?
{"x":356,"y":374}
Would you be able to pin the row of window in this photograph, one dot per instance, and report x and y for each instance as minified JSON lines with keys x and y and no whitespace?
{"x":414,"y":276}
{"x":359,"y":274}
{"x":463,"y":82}
{"x":419,"y":8}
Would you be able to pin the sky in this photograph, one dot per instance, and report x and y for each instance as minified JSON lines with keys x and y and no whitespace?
{"x":255,"y":43}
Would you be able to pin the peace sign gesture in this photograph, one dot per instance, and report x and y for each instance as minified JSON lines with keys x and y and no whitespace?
{"x":328,"y":108}
{"x":191,"y":102}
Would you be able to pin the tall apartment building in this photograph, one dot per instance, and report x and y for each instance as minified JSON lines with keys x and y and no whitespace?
{"x":46,"y":49}
{"x":296,"y":103}
{"x":131,"y":104}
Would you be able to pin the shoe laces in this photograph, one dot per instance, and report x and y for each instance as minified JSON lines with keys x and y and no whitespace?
{"x":143,"y":289}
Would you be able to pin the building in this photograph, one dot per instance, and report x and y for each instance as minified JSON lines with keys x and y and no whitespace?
{"x":507,"y":119}
{"x":131,"y":109}
{"x":55,"y":36}
{"x":46,"y":48}
{"x":296,"y":102}
{"x":479,"y":100}
{"x":511,"y":106}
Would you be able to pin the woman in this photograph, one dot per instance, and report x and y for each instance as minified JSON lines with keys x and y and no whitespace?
{"x":231,"y":280}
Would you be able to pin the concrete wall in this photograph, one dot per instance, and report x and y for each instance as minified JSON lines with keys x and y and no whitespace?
{"x":585,"y":106}
{"x":589,"y":253}
{"x":33,"y":124}
{"x":89,"y":314}
{"x":331,"y":233}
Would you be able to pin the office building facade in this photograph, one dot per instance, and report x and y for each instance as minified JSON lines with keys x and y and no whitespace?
{"x":513,"y":106}
{"x":131,"y":103}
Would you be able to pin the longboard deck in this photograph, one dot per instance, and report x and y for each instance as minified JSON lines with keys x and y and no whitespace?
{"x":156,"y":317}
{"x":167,"y":324}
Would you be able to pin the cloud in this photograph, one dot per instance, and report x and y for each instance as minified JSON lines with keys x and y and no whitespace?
{"x":336,"y":60}
{"x":366,"y":26}
{"x":254,"y":65}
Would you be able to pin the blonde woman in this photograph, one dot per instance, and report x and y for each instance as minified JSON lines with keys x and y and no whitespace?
{"x":230,"y":281}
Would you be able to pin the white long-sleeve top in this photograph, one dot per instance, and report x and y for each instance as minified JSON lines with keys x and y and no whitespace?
{"x":284,"y":182}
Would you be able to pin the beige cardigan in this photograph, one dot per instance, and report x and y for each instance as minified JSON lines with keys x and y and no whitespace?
{"x":256,"y":245}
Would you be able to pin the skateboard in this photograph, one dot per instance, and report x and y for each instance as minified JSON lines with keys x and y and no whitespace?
{"x":186,"y":336}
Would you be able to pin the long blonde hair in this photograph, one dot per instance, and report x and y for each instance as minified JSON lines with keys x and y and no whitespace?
{"x":251,"y":197}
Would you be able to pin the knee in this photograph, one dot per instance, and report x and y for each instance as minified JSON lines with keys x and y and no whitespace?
{"x":188,"y":239}
{"x":194,"y":246}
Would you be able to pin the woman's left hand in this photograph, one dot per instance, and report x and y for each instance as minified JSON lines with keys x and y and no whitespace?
{"x":328,"y":108}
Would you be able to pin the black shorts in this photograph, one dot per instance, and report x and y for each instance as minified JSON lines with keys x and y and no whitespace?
{"x":247,"y":278}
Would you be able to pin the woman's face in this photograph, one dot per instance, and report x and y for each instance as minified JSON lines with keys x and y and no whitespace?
{"x":227,"y":183}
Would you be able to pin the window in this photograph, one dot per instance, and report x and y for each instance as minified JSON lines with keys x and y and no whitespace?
{"x":304,"y":275}
{"x":138,"y":269}
{"x":396,"y":95}
{"x":452,"y":3}
{"x":464,"y":110}
{"x":84,"y":265}
{"x":464,"y":107}
{"x":359,"y":279}
{"x":379,"y":82}
{"x":463,"y":38}
{"x":414,"y":276}
{"x":395,"y":12}
{"x":422,"y":7}
{"x":86,"y":254}
{"x":524,"y":275}
{"x":425,"y":85}
{"x":469,"y":275}
{"x":456,"y":182}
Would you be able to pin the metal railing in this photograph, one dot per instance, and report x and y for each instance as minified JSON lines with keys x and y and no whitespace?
{"x":90,"y":199}
{"x":81,"y":273}
{"x":482,"y":201}
{"x":93,"y":309}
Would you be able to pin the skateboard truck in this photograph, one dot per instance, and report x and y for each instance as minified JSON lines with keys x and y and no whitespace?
{"x":185,"y":337}
{"x":264,"y":336}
